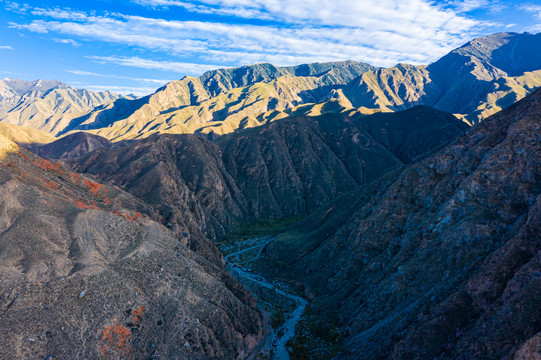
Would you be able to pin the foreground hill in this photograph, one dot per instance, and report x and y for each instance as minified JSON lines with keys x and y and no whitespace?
{"x":441,"y":260}
{"x":47,"y":105}
{"x":288,"y":168}
{"x":87,"y":273}
{"x":71,"y":146}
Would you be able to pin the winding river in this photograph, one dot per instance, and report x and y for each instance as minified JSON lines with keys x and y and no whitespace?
{"x":237,"y":262}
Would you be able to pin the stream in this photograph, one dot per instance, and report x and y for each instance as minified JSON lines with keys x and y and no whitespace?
{"x":239,"y":256}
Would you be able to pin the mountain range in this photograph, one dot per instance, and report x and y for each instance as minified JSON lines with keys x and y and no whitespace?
{"x":46,"y":105}
{"x":473,"y":82}
{"x":322,"y":211}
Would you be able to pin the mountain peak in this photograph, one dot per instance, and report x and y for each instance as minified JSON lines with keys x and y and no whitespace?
{"x":510,"y":52}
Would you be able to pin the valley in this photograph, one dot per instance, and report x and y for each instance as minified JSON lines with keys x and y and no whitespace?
{"x":284,"y":315}
{"x":332,"y":210}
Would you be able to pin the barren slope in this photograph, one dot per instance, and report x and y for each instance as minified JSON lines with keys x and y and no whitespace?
{"x":87,"y":273}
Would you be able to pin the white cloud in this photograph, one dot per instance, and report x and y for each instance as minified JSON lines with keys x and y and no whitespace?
{"x":67,"y":41}
{"x":390,"y":15}
{"x":125,"y":90}
{"x":6,"y":47}
{"x":464,"y":6}
{"x":535,"y":10}
{"x":61,"y":14}
{"x":145,"y":80}
{"x":380,"y":32}
{"x":248,"y":13}
{"x":16,"y":7}
{"x":180,"y":67}
{"x":84,"y":73}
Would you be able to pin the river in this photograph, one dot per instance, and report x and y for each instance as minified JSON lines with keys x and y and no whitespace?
{"x":239,"y":256}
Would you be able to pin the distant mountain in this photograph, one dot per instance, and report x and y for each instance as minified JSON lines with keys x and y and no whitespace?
{"x":15,"y":87}
{"x":440,"y":260}
{"x":47,"y":105}
{"x":473,"y":82}
{"x":220,"y":101}
{"x":284,"y":169}
{"x":330,"y":74}
{"x":87,"y":272}
{"x":476,"y":80}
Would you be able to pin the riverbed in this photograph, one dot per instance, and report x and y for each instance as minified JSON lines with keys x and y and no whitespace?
{"x":238,"y":258}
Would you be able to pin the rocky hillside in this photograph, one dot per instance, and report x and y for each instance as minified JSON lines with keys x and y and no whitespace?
{"x":46,"y":105}
{"x":287,"y":168}
{"x":441,"y":260}
{"x":86,"y":272}
{"x":476,"y":80}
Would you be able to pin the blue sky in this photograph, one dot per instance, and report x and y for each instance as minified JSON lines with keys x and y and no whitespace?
{"x":135,"y":46}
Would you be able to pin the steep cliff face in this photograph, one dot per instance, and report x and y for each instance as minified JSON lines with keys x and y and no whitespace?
{"x":439,"y":260}
{"x":331,"y":73}
{"x":88,"y":273}
{"x":284,"y":169}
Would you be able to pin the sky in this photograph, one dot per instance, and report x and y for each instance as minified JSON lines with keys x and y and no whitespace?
{"x":136,"y":46}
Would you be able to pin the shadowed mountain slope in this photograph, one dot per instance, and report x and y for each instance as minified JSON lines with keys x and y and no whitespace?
{"x":87,"y":273}
{"x":441,"y":260}
{"x":72,"y":146}
{"x":283,"y":169}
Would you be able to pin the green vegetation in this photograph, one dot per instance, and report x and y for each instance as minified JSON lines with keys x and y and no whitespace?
{"x":315,"y":340}
{"x":259,"y":228}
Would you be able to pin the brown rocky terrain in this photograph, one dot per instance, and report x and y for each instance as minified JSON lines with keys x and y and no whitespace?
{"x":439,"y":260}
{"x":86,"y":272}
{"x":284,"y":169}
